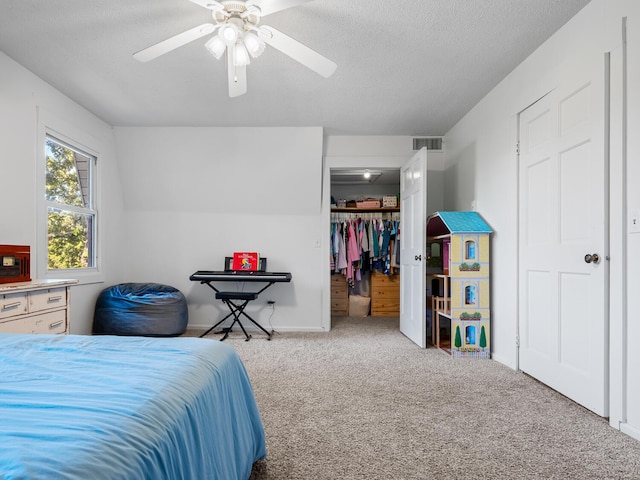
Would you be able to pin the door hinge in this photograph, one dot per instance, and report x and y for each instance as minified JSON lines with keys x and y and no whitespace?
{"x":518,"y":148}
{"x":518,"y":341}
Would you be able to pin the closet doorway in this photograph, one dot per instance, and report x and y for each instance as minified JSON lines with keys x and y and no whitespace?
{"x":364,"y":224}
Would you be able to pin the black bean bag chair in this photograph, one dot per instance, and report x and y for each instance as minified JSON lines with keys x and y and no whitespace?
{"x":146,"y":309}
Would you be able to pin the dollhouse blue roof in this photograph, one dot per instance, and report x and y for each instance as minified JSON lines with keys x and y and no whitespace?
{"x":457,"y":222}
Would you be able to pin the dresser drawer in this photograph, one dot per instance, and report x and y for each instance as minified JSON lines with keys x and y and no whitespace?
{"x":51,"y":322}
{"x":37,"y":306}
{"x":340,"y":307}
{"x":382,"y":280}
{"x":385,"y":307}
{"x":385,"y":295}
{"x":47,"y":299}
{"x":339,"y":295}
{"x":12,"y":304}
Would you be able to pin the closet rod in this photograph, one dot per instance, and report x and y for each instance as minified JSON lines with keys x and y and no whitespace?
{"x":344,"y":216}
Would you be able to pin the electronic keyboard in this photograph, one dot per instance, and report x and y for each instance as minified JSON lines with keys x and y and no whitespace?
{"x":239,"y":276}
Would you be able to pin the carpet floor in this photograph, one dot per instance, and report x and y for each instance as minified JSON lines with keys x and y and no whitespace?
{"x":364,"y":402}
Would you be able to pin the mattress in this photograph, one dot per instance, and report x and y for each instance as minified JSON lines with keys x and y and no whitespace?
{"x":105,"y":407}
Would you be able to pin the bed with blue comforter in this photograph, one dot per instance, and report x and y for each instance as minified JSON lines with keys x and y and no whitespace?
{"x":105,"y":407}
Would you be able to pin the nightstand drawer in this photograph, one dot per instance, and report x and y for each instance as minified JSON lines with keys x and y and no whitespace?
{"x":13,"y":304}
{"x":36,"y":306}
{"x":51,"y":322}
{"x":47,"y":299}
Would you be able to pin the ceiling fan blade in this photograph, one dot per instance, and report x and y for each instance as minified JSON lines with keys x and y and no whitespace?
{"x":174,"y":42}
{"x":237,"y":77}
{"x":209,"y":4}
{"x":296,"y":50}
{"x":268,"y":7}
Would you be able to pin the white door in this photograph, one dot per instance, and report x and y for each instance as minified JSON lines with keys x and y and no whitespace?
{"x":413,"y":231}
{"x":563,"y":321}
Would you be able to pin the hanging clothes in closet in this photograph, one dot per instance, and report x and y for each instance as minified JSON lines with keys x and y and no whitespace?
{"x":363,"y":242}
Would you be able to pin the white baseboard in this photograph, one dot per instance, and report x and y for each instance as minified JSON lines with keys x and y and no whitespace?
{"x":630,"y":430}
{"x":503,"y":360}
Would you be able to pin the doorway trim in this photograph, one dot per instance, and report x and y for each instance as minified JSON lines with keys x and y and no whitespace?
{"x":390,"y":162}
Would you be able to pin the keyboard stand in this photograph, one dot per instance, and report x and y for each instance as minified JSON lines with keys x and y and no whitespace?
{"x":236,"y":309}
{"x":238,"y":301}
{"x":232,"y":300}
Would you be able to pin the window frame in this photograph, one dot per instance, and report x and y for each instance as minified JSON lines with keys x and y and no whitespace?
{"x":470,"y":292}
{"x":49,"y":125}
{"x":469,"y":248}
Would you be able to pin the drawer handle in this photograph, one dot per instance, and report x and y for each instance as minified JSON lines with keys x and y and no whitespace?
{"x":54,"y":299}
{"x":9,"y":306}
{"x":56,"y":324}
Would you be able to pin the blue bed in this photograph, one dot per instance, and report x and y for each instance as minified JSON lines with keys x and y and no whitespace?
{"x":84,"y":407}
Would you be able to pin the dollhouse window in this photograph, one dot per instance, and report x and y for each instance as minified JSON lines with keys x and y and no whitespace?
{"x":470,"y":295}
{"x":470,"y":335}
{"x":470,"y":250}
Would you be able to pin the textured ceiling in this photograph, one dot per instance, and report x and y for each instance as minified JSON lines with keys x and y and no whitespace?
{"x":410,"y":67}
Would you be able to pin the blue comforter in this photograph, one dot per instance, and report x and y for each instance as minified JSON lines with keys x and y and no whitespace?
{"x":83,"y":407}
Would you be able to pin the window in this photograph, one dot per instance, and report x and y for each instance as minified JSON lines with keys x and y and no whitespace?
{"x":68,"y":224}
{"x":470,"y":250}
{"x":70,"y":206}
{"x":470,"y":295}
{"x":470,"y":335}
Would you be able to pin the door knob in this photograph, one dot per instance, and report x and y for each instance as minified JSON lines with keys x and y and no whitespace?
{"x":592,"y":257}
{"x":418,"y":257}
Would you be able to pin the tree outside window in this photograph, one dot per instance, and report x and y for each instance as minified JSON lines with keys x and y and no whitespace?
{"x":71,"y":214}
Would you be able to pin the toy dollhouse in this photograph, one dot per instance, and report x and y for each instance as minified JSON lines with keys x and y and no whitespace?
{"x":460,"y":291}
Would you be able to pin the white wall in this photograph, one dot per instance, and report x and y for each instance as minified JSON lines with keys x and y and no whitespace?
{"x":384,"y":152}
{"x":20,"y":93}
{"x":195,"y":195}
{"x":480,"y":165}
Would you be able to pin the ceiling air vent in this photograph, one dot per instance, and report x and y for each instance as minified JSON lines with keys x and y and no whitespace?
{"x":432,"y":143}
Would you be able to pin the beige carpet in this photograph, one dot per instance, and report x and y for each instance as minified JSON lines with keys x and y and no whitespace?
{"x":363,"y":402}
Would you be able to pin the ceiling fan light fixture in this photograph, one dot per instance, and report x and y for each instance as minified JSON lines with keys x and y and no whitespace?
{"x":216,"y":47}
{"x":229,"y":33}
{"x":240,"y":55}
{"x":254,"y":44}
{"x":239,"y":36}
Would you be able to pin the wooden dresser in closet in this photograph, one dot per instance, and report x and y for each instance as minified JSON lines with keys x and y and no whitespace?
{"x":339,"y":296}
{"x":385,"y":289}
{"x":38,"y":306}
{"x":385,"y":295}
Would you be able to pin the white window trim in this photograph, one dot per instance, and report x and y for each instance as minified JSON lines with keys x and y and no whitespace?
{"x":51,"y":125}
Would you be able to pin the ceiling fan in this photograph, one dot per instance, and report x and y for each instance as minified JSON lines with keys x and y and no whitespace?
{"x":239,"y":35}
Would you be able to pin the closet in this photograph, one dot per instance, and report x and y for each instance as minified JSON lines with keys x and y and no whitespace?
{"x":365,"y":235}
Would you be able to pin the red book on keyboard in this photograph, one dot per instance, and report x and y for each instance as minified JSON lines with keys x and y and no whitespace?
{"x":248,"y":261}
